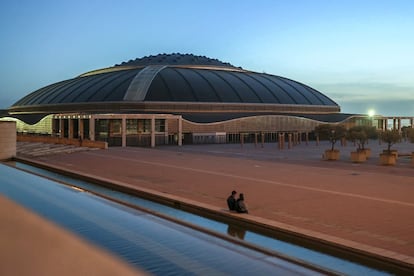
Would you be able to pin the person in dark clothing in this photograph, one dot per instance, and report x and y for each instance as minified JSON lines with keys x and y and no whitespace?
{"x":240,"y":205}
{"x":231,"y":201}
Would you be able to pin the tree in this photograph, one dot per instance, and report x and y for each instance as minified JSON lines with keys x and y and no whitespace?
{"x":361,"y":135}
{"x":408,"y":133}
{"x":390,"y":137}
{"x":332,"y":132}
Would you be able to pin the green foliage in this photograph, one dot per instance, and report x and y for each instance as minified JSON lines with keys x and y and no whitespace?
{"x":390,"y":137}
{"x":331,"y":132}
{"x":361,"y":135}
{"x":408,"y":132}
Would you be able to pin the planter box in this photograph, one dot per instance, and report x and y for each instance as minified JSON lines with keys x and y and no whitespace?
{"x":367,"y":152}
{"x":412,"y":158}
{"x":331,"y":155}
{"x":388,"y":159}
{"x":358,"y":156}
{"x":394,"y":152}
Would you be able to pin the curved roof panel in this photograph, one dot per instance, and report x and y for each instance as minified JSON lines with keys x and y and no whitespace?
{"x":176,"y":78}
{"x":94,"y":88}
{"x":212,"y":85}
{"x":280,"y":95}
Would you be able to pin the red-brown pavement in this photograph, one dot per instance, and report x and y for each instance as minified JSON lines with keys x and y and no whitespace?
{"x":367,"y":207}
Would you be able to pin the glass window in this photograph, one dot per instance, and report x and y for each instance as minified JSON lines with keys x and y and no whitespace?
{"x":144,"y":125}
{"x":101,"y":128}
{"x":115,"y":127}
{"x":160,"y":125}
{"x":132,"y":126}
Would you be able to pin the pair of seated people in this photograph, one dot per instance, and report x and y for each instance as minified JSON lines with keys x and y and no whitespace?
{"x":237,"y":205}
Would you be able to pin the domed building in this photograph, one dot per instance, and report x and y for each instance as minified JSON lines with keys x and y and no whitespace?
{"x":175,"y":98}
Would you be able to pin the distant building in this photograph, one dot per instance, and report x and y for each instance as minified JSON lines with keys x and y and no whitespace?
{"x":174,"y":99}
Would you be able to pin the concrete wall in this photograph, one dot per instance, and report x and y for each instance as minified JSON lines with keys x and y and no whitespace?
{"x":7,"y":139}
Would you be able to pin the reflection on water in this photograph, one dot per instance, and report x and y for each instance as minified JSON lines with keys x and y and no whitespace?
{"x":153,"y":244}
{"x":236,"y":231}
{"x":296,"y":250}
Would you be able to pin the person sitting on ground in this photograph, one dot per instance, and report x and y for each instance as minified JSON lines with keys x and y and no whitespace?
{"x":231,"y":201}
{"x":240,"y":205}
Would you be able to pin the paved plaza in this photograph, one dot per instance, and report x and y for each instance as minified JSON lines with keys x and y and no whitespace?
{"x":365,"y":206}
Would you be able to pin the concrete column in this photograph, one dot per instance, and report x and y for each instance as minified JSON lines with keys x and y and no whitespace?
{"x":61,"y":128}
{"x":80,"y":129}
{"x":412,"y":122}
{"x":152,"y":131}
{"x":279,"y":140}
{"x":307,"y":138}
{"x":70,"y":128}
{"x":263,"y":138}
{"x":92,"y":128}
{"x":255,"y":139}
{"x":399,"y":124}
{"x":166,"y":132}
{"x":124,"y":132}
{"x":241,"y":139}
{"x":289,"y":140}
{"x":180,"y":131}
{"x":282,"y":141}
{"x":7,"y":139}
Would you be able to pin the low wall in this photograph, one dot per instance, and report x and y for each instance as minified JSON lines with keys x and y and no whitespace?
{"x":7,"y":139}
{"x":65,"y":141}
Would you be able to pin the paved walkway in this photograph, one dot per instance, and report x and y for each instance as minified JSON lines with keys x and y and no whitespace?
{"x":365,"y":206}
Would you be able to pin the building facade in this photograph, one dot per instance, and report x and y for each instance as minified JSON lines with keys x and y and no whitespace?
{"x":175,"y":99}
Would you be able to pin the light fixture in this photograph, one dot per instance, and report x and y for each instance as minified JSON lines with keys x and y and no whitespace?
{"x":371,"y":113}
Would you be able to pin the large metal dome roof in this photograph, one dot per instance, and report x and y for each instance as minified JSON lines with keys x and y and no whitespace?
{"x":171,"y":79}
{"x":176,"y":59}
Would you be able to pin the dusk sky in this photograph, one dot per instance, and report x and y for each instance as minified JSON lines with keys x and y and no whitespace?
{"x":359,"y":53}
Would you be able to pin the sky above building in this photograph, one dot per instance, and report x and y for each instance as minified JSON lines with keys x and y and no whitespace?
{"x":359,"y":53}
